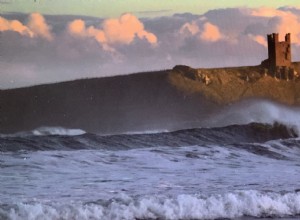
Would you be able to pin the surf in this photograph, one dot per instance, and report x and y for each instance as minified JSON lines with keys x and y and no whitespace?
{"x":239,"y":204}
{"x":65,"y":139}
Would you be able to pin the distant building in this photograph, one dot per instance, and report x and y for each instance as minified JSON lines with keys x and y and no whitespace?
{"x":279,"y":51}
{"x":279,"y":62}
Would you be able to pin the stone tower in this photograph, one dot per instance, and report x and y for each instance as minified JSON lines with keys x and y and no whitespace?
{"x":279,"y":52}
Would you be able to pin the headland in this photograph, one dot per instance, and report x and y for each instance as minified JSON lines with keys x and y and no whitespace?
{"x":172,"y":99}
{"x":276,"y":78}
{"x":229,"y":85}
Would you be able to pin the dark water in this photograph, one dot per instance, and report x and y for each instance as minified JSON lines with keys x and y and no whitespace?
{"x":233,"y":172}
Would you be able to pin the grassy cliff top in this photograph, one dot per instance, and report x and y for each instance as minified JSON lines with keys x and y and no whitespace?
{"x":228,"y":85}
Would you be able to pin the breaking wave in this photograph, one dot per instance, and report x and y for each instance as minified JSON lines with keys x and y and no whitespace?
{"x":230,"y":205}
{"x":47,"y":131}
{"x":57,"y":131}
{"x":251,"y":133}
{"x":258,"y":111}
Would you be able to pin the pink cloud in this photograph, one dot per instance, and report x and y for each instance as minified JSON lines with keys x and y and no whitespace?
{"x":36,"y":27}
{"x":288,"y":21}
{"x":77,"y":27}
{"x":210,"y":33}
{"x":190,"y":28}
{"x":259,"y":39}
{"x":14,"y":25}
{"x":114,"y":31}
{"x":39,"y":27}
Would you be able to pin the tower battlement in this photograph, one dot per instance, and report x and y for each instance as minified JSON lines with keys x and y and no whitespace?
{"x":279,"y":51}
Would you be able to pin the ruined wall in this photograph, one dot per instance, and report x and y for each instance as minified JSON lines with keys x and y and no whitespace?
{"x":279,"y":52}
{"x":272,"y":39}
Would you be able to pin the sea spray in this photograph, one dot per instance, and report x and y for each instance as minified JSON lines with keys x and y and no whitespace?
{"x":47,"y":131}
{"x":259,"y":111}
{"x":228,"y":205}
{"x":57,"y":131}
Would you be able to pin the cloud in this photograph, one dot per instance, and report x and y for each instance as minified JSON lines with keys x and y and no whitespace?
{"x":77,"y":27}
{"x":190,"y":28}
{"x":259,"y":39}
{"x":39,"y":27}
{"x":285,"y":21}
{"x":207,"y":32}
{"x":123,"y":30}
{"x":36,"y":27}
{"x":210,"y":33}
{"x":267,"y":12}
{"x":14,"y":25}
{"x":80,"y":47}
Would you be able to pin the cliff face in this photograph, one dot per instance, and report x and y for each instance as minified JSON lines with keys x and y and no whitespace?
{"x":171,"y":99}
{"x":228,"y":85}
{"x":136,"y":102}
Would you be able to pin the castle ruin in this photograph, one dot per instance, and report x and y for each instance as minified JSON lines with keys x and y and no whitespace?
{"x":279,"y":52}
{"x":279,"y":62}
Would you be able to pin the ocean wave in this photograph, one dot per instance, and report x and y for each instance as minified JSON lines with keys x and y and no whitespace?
{"x":47,"y":131}
{"x":147,"y":132}
{"x":230,"y":205}
{"x":57,"y":131}
{"x":256,"y":111}
{"x":252,"y":133}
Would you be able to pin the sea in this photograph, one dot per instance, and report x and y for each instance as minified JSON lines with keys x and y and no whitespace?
{"x":245,"y":167}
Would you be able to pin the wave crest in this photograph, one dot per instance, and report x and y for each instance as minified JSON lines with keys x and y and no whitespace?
{"x":230,"y":205}
{"x":57,"y":131}
{"x":256,"y":111}
{"x":70,"y":139}
{"x":47,"y":131}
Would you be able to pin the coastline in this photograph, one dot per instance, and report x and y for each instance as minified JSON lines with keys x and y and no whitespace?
{"x":227,"y":85}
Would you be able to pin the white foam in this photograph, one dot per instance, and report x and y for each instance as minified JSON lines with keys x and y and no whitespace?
{"x":230,"y":205}
{"x":43,"y":131}
{"x":260,"y":111}
{"x":57,"y":131}
{"x":148,"y":132}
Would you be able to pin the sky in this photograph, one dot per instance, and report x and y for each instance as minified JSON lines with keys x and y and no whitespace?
{"x":109,"y":8}
{"x":45,"y":41}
